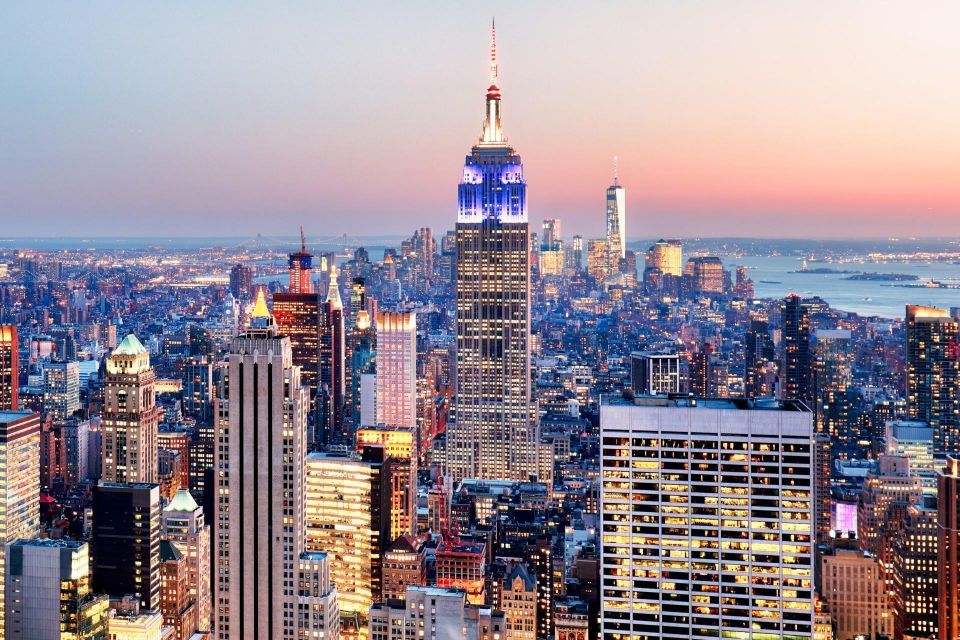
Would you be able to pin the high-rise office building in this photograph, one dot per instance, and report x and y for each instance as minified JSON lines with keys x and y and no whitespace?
{"x":655,"y":372}
{"x":362,"y":349}
{"x":948,"y":548}
{"x":933,"y":375}
{"x":259,"y":525}
{"x":854,"y":587}
{"x":576,"y":253}
{"x":599,"y":263}
{"x":348,"y":517}
{"x":797,"y":374}
{"x":616,"y":219}
{"x":61,"y":389}
{"x":358,"y":300}
{"x":198,"y":389}
{"x":916,"y":573}
{"x":130,"y":415}
{"x":241,"y":281}
{"x":397,"y":369}
{"x":301,"y":264}
{"x":400,"y":444}
{"x":9,"y":368}
{"x":758,"y":352}
{"x":706,"y":519}
{"x":125,"y":541}
{"x":705,"y":274}
{"x":667,"y":256}
{"x":48,"y":593}
{"x":298,"y":317}
{"x":332,"y":380}
{"x":19,"y":483}
{"x":318,"y":611}
{"x":914,"y":440}
{"x":832,"y":371}
{"x":496,"y":432}
{"x":552,"y":237}
{"x":891,"y":483}
{"x":182,"y":524}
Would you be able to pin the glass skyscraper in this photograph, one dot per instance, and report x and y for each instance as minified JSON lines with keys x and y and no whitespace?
{"x":495,"y":434}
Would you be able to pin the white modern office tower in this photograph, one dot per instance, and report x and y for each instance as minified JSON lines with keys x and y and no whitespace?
{"x":130,"y":415}
{"x":396,"y":404}
{"x":19,"y":484}
{"x":617,"y":220}
{"x":495,"y":434}
{"x":61,"y":389}
{"x":914,"y":440}
{"x":182,"y":523}
{"x":260,"y":456}
{"x":48,"y":592}
{"x":706,"y":512}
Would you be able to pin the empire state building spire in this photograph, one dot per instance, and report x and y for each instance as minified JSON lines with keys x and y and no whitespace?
{"x":492,"y":133}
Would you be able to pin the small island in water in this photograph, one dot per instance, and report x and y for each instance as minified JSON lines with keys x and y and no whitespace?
{"x":884,"y":277}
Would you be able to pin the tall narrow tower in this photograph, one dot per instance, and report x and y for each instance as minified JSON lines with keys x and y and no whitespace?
{"x":301,"y":263}
{"x":263,"y":574}
{"x":616,"y":218}
{"x":495,"y":434}
{"x":130,"y":415}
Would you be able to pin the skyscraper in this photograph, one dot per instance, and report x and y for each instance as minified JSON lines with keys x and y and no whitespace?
{"x":496,"y":433}
{"x":61,"y":389}
{"x":666,"y":255}
{"x":48,"y":592}
{"x":933,"y":375}
{"x":706,"y":519}
{"x":130,"y":415}
{"x":616,"y":219}
{"x":301,"y":263}
{"x":797,"y":375}
{"x":241,"y":281}
{"x":758,"y":351}
{"x":332,"y":380}
{"x":948,"y":548}
{"x":261,"y":452}
{"x":298,"y":317}
{"x":348,"y":517}
{"x":9,"y":368}
{"x":397,"y":369}
{"x":125,"y":542}
{"x":19,"y":483}
{"x":400,"y":443}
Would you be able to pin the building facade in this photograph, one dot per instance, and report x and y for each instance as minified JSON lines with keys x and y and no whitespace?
{"x":130,"y":415}
{"x":703,"y":502}
{"x":19,"y":483}
{"x":496,"y":433}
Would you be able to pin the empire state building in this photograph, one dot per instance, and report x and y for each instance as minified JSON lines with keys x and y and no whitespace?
{"x":495,"y":434}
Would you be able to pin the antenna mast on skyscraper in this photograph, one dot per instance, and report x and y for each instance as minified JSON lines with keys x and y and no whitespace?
{"x":616,"y":171}
{"x":493,"y":52}
{"x":303,"y":241}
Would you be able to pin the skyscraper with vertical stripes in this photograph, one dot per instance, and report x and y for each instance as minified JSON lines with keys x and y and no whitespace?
{"x":495,"y":434}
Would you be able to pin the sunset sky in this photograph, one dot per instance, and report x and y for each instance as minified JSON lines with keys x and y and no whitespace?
{"x":729,"y":118}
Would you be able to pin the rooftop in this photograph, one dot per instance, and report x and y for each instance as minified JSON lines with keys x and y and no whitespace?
{"x":7,"y":417}
{"x":182,"y":501}
{"x":129,"y":346}
{"x":681,"y":401}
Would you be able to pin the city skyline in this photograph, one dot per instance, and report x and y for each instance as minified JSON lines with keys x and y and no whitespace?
{"x":844,"y":124}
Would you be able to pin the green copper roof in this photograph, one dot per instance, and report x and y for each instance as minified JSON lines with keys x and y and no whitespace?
{"x":182,"y":501}
{"x":130,"y":346}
